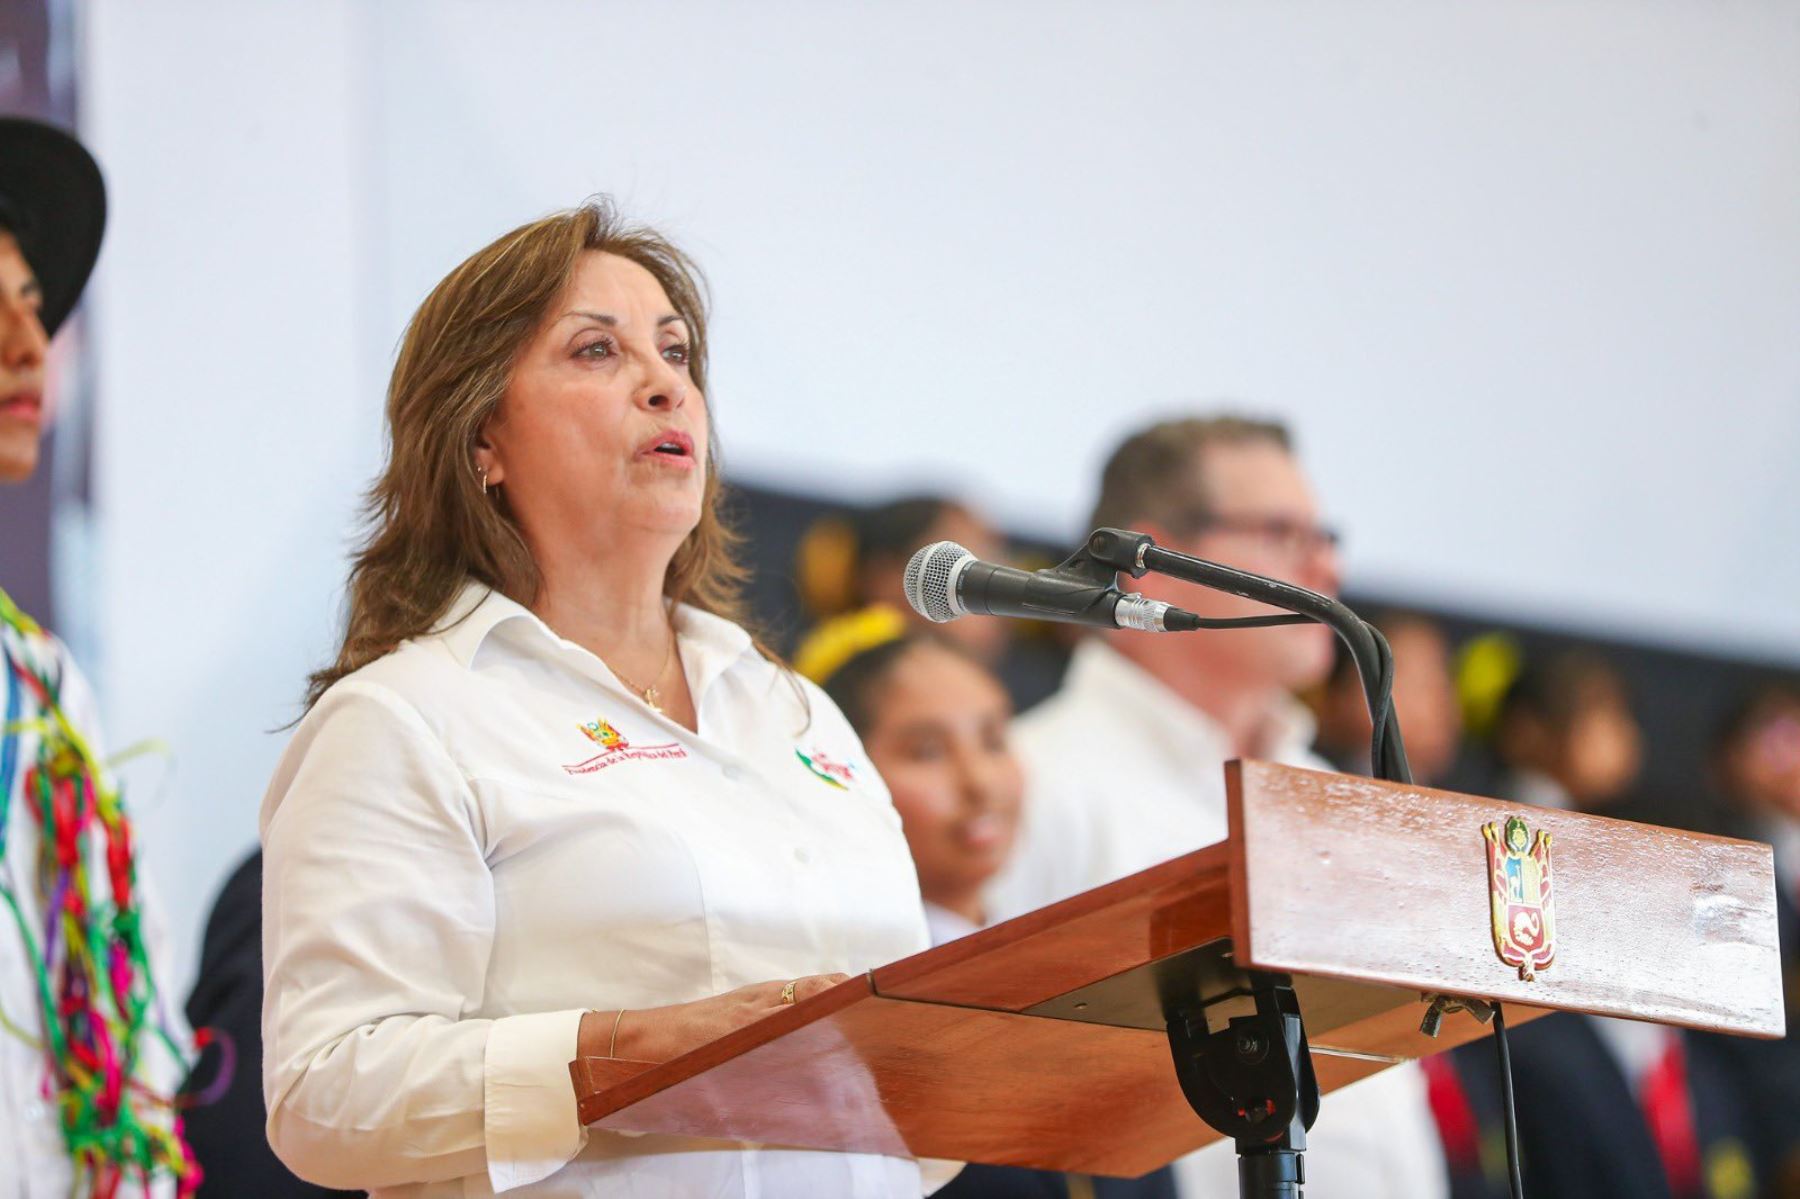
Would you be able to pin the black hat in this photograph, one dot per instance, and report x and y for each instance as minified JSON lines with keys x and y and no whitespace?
{"x":54,"y":202}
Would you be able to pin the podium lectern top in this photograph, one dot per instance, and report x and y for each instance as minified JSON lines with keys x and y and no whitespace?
{"x":1041,"y":1041}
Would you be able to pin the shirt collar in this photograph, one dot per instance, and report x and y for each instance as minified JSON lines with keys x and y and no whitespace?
{"x":1127,"y":689}
{"x":477,"y":611}
{"x":709,"y":644}
{"x":945,"y":925}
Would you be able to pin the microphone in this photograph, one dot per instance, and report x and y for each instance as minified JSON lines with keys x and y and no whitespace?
{"x":945,"y":581}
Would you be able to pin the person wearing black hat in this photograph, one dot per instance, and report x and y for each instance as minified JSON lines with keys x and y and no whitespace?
{"x":52,"y":211}
{"x":89,"y":1055}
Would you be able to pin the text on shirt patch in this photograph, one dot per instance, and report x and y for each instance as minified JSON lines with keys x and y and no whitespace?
{"x":838,"y":774}
{"x":614,"y":748}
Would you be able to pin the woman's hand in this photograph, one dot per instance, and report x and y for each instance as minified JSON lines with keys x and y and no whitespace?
{"x":660,"y":1033}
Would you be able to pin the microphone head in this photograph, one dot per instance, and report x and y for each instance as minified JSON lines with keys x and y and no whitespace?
{"x":931,"y":580}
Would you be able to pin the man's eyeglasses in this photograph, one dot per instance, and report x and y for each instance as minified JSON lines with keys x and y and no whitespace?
{"x":1282,"y":534}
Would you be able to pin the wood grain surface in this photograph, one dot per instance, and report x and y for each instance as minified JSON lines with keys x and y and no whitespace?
{"x":929,"y":1080}
{"x":1174,"y":906}
{"x":1352,"y":878}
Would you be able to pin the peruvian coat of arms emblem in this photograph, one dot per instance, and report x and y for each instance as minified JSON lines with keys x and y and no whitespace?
{"x":1519,"y":892}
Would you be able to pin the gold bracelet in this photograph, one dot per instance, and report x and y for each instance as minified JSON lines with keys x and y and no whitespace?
{"x":612,"y":1046}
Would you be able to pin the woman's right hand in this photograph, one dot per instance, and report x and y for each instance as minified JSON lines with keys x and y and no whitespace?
{"x":660,"y":1033}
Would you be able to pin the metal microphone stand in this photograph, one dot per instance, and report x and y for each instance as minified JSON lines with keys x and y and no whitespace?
{"x":1242,"y":1057}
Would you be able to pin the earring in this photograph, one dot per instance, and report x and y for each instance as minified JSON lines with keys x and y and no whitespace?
{"x":484,"y":482}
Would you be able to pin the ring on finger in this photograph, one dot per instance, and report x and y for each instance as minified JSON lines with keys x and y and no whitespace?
{"x":787,"y":992}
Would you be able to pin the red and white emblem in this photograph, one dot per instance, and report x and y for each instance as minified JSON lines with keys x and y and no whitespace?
{"x":1519,"y":893}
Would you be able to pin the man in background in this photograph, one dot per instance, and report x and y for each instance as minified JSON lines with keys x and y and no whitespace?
{"x":1176,"y":709}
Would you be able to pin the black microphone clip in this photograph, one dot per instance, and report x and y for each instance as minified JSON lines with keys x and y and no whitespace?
{"x":1113,"y":551}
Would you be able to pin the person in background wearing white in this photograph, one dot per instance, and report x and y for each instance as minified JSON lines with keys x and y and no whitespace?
{"x":935,"y":723}
{"x":1125,"y":763}
{"x":551,"y":799}
{"x":90,"y":1054}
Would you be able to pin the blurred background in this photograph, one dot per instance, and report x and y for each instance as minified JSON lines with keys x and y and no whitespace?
{"x":1523,"y":279}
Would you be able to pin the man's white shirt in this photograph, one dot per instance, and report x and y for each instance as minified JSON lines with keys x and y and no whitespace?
{"x":476,"y":838}
{"x":1123,"y":774}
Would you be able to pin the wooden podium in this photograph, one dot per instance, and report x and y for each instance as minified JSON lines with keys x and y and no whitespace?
{"x":1043,"y":1041}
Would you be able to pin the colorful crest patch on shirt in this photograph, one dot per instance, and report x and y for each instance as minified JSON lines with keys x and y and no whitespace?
{"x":615,"y":748}
{"x":605,"y":735}
{"x":1519,"y":892}
{"x":838,"y":774}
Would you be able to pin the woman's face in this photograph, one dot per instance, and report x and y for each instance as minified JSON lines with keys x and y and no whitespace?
{"x":1764,"y":763}
{"x":939,"y":739}
{"x":601,"y":435}
{"x":1602,"y":747}
{"x":23,"y":348}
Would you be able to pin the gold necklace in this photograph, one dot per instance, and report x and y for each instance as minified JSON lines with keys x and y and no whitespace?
{"x":650,"y":694}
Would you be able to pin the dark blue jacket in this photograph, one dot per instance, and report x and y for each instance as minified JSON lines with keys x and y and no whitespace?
{"x":228,"y":1136}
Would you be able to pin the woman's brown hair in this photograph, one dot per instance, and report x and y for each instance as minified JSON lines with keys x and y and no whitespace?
{"x":431,"y":524}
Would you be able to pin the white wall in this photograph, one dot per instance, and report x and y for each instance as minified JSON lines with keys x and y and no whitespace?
{"x":240,"y":411}
{"x":1525,"y":277}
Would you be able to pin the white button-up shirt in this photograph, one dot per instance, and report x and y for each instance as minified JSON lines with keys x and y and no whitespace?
{"x":483,"y":834}
{"x":34,"y":1164}
{"x":1123,"y":774}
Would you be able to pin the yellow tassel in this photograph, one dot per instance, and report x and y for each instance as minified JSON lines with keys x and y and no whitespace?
{"x":825,"y":650}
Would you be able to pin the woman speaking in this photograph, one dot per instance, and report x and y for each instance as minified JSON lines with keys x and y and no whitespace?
{"x":551,"y":799}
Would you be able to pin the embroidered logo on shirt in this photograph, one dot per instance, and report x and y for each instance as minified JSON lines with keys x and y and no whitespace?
{"x":605,"y":735}
{"x":614,"y":748}
{"x":838,"y":774}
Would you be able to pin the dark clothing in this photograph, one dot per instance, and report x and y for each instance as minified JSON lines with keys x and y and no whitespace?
{"x":1581,"y":1131}
{"x":1768,"y":1073}
{"x":1012,"y":1182}
{"x":228,"y":1136}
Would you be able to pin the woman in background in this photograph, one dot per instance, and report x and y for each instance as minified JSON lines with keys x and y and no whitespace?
{"x":934,"y":723}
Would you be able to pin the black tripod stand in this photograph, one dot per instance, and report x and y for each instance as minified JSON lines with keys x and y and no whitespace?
{"x":1251,"y":1077}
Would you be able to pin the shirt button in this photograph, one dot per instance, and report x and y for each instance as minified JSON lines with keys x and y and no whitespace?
{"x":733,"y":774}
{"x":801,"y":855}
